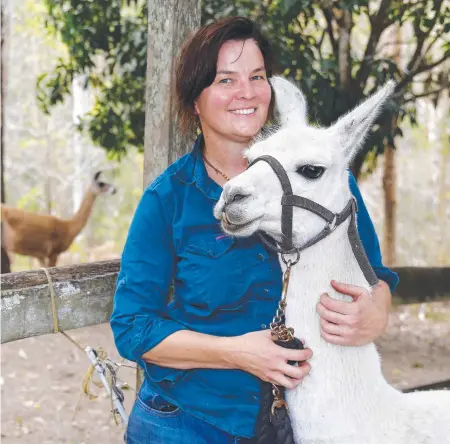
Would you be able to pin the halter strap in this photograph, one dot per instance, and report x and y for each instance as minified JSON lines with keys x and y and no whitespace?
{"x":287,"y":214}
{"x":333,"y":220}
{"x":303,"y":202}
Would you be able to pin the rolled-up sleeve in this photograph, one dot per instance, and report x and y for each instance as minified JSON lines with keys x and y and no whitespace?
{"x":370,"y":241}
{"x":139,"y":319}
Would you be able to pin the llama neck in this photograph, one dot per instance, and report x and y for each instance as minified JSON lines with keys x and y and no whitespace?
{"x":342,"y":379}
{"x":81,"y":217}
{"x":330,"y":259}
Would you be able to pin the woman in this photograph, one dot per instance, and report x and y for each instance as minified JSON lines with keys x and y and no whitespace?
{"x":205,"y":352}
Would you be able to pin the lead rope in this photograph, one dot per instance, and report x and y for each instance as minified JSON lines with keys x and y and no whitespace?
{"x":273,"y":425}
{"x":100,"y":365}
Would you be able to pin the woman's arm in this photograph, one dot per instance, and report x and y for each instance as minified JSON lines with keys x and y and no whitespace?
{"x":163,"y":347}
{"x":253,"y":352}
{"x":139,"y":319}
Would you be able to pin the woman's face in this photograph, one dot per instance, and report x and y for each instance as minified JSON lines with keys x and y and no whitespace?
{"x":236,"y":104}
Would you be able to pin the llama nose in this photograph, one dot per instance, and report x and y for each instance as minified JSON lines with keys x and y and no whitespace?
{"x":235,"y":194}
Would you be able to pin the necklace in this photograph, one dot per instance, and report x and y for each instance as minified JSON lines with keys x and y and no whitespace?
{"x":216,"y":169}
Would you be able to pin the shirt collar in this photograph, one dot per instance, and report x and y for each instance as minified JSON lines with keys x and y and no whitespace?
{"x":194,"y":172}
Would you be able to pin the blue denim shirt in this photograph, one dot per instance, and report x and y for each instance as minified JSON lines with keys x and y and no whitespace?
{"x":223,"y":286}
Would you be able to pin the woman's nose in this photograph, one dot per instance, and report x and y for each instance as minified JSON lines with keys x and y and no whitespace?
{"x":247,"y":90}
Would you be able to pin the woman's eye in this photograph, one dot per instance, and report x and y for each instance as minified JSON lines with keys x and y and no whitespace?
{"x":311,"y":171}
{"x":225,"y":81}
{"x":257,"y":78}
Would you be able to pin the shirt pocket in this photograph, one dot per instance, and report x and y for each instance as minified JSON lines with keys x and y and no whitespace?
{"x":211,"y":271}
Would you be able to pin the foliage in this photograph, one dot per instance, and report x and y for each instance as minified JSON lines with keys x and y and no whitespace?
{"x":107,"y":44}
{"x":308,"y":37}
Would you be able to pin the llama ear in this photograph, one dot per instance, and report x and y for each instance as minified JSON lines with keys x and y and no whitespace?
{"x":290,"y":103}
{"x":351,"y":129}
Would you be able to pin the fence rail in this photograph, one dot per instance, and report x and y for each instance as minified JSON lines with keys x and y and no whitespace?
{"x":422,"y":284}
{"x":84,"y":295}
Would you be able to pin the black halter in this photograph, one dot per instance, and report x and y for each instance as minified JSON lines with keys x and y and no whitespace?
{"x":333,"y":220}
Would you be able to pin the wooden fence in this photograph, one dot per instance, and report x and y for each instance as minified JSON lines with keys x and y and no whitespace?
{"x":84,"y":296}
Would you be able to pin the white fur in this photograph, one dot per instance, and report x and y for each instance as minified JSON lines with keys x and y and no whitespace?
{"x":345,"y":399}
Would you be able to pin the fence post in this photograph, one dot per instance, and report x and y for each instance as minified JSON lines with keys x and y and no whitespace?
{"x":169,"y":23}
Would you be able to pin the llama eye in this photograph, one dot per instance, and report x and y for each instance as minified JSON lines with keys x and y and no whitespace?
{"x":311,"y":171}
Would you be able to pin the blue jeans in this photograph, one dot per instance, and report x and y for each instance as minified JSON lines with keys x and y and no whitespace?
{"x":159,"y":422}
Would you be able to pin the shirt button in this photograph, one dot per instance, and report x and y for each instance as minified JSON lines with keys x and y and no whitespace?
{"x":266,"y":290}
{"x":263,"y":326}
{"x":260,"y":256}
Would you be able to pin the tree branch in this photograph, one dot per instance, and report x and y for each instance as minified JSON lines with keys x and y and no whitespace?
{"x":378,"y":25}
{"x":329,"y":18}
{"x":436,"y":38}
{"x":381,"y":47}
{"x":319,"y":46}
{"x":424,"y":68}
{"x":409,"y":76}
{"x":414,"y":66}
{"x":426,"y":94}
{"x":417,"y":57}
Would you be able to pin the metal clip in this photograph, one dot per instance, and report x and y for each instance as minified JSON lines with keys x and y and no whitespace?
{"x":286,"y":277}
{"x":277,"y":404}
{"x":278,"y":401}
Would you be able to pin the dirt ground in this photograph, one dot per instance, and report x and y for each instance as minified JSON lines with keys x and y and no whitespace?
{"x":41,"y":377}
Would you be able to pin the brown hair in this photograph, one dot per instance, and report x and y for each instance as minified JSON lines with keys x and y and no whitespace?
{"x":197,"y":63}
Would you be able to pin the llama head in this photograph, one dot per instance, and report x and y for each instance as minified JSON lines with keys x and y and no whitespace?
{"x":316,"y":161}
{"x":100,"y":187}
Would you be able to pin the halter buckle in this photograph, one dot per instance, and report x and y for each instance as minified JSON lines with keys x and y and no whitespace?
{"x":331,"y":227}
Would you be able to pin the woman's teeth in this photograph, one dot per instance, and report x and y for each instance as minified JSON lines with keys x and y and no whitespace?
{"x":244,"y":111}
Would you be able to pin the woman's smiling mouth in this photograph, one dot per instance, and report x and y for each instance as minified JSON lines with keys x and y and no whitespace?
{"x":244,"y":112}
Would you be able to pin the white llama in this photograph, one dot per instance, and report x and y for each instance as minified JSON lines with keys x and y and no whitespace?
{"x":345,"y":399}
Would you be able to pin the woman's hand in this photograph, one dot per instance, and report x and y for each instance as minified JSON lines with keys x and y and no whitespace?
{"x":256,"y":353}
{"x":357,"y":322}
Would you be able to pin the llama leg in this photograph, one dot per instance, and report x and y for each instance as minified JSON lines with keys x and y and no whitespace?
{"x":52,"y":260}
{"x":42,"y":262}
{"x":6,"y":262}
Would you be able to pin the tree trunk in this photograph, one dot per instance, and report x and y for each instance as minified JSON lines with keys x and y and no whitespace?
{"x":3,"y":28}
{"x":5,"y":265}
{"x":345,"y":27}
{"x":390,"y":205}
{"x":169,"y":23}
{"x":389,"y":178}
{"x":444,"y":189}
